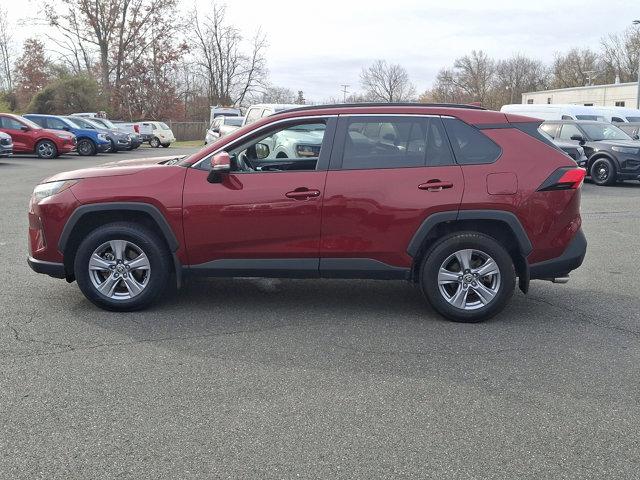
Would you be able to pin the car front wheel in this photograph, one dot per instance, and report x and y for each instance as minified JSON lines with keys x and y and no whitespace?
{"x":467,"y":277}
{"x":154,"y":142}
{"x":603,"y":172}
{"x":86,"y":147}
{"x":46,"y":149}
{"x":122,"y":267}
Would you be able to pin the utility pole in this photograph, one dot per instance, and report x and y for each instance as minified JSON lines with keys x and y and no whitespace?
{"x":344,"y":92}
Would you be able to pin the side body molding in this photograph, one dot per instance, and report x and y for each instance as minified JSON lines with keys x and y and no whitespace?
{"x":149,"y":209}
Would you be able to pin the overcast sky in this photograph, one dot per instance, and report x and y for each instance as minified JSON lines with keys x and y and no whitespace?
{"x":317,"y":46}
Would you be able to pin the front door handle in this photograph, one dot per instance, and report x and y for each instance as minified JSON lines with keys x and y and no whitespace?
{"x":302,"y":193}
{"x":435,"y":185}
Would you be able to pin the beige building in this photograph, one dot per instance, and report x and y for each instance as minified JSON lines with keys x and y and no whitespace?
{"x":614,"y":95}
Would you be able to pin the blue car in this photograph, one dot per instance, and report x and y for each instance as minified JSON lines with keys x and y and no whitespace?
{"x":90,"y":141}
{"x":119,"y":140}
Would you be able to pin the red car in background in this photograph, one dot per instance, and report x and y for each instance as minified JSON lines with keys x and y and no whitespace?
{"x":28,"y":137}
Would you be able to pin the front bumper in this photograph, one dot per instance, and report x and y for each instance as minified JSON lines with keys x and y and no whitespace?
{"x":561,"y":266}
{"x":6,"y":150}
{"x":52,"y":269}
{"x":103,"y":147}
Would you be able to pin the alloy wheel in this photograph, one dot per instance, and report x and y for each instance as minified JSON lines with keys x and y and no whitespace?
{"x":469,"y":279}
{"x":119,"y":269}
{"x":46,"y":149}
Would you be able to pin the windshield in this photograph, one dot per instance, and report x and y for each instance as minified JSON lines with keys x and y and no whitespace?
{"x":604,"y":131}
{"x":311,"y":127}
{"x":589,"y":117}
{"x":84,"y":123}
{"x":106,"y":123}
{"x":234,"y":121}
{"x":30,"y":124}
{"x":74,"y":122}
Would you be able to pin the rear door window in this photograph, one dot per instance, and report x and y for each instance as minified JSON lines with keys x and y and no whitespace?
{"x":394,"y":142}
{"x":55,"y":123}
{"x":550,"y":129}
{"x":470,"y":145}
{"x":568,"y":130}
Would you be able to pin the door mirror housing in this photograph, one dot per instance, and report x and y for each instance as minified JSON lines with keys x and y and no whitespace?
{"x":24,"y":128}
{"x":220,"y":167}
{"x":635,"y":136}
{"x":578,"y":138}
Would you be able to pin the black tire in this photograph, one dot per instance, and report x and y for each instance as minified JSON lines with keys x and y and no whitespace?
{"x":46,"y":149}
{"x":153,"y":247}
{"x":603,"y":172}
{"x":113,"y":148}
{"x":441,"y":251}
{"x":154,"y":142}
{"x":165,"y":145}
{"x":86,"y":147}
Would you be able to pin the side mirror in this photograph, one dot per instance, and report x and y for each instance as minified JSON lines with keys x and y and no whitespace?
{"x":220,"y":167}
{"x":66,"y":128}
{"x":636,"y":136}
{"x":578,"y":138}
{"x":24,"y":128}
{"x":262,"y":151}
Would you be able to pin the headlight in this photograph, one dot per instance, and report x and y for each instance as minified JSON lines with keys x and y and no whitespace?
{"x":308,"y":150}
{"x":102,"y":136}
{"x":45,"y":190}
{"x":128,"y":137}
{"x":628,"y":150}
{"x":63,"y":136}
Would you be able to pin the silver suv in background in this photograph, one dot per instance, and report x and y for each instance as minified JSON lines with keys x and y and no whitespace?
{"x":261,"y":110}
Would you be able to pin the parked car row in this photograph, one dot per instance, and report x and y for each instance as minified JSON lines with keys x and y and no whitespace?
{"x":49,"y":136}
{"x":604,"y":141}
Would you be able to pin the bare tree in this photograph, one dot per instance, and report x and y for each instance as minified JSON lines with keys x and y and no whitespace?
{"x":620,"y":55}
{"x":231,"y":74}
{"x":517,"y":75}
{"x":575,"y":68}
{"x":383,"y":82}
{"x":275,"y":94}
{"x":6,"y":79}
{"x":474,"y":74}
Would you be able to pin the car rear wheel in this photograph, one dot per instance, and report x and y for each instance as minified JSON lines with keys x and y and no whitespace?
{"x":86,"y":147}
{"x":122,"y":267}
{"x":603,"y":172}
{"x":154,"y":142}
{"x":46,"y":149}
{"x":467,"y":277}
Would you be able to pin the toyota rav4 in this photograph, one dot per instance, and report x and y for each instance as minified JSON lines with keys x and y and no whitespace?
{"x":462,"y":201}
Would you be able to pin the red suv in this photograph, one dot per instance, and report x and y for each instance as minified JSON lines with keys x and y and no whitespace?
{"x":457,"y":199}
{"x":29,"y":137}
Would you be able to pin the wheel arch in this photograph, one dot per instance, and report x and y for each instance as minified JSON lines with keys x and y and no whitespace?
{"x":503,"y":226}
{"x":88,"y":217}
{"x":599,"y":155}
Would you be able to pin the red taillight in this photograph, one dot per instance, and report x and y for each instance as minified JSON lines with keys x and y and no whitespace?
{"x":566,"y":178}
{"x":136,"y":128}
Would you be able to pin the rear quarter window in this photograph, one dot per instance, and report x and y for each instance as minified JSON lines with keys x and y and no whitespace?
{"x":470,"y":145}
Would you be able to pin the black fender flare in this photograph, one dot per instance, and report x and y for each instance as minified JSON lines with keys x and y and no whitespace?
{"x":524,"y":244}
{"x":602,"y":154}
{"x":147,"y":208}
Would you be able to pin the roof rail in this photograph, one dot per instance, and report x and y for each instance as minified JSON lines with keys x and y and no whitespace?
{"x":383,"y":104}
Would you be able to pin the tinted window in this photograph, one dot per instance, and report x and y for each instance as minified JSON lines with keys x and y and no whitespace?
{"x":393,"y":142}
{"x":566,"y":117}
{"x":617,"y":119}
{"x":549,"y":129}
{"x":633,"y":119}
{"x":39,"y":120}
{"x":55,"y":123}
{"x":604,"y":131}
{"x":470,"y":145}
{"x":235,"y":121}
{"x":568,"y":130}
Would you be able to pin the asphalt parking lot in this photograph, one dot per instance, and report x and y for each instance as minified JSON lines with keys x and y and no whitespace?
{"x":320,"y":379}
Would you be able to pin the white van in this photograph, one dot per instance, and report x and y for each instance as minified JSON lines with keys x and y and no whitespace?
{"x":256,"y":112}
{"x":554,"y":111}
{"x":618,"y":114}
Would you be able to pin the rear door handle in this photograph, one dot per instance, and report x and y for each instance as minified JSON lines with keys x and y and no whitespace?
{"x":435,"y":185}
{"x":302,"y":193}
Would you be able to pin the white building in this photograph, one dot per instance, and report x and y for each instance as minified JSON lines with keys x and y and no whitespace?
{"x":613,"y":95}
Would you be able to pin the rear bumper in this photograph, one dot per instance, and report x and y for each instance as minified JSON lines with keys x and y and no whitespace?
{"x":561,"y":266}
{"x":48,"y":268}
